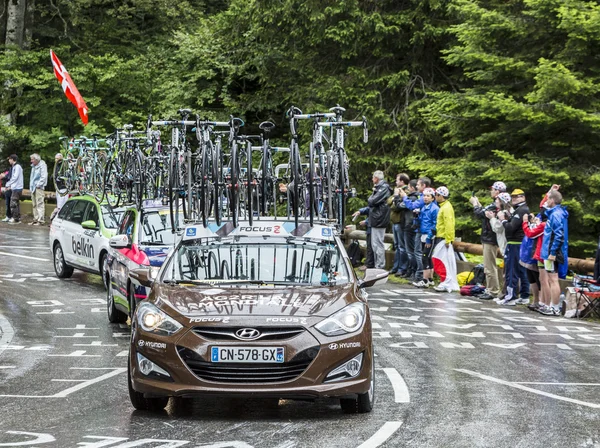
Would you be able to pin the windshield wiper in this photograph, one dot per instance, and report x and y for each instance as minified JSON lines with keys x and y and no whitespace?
{"x":153,"y":243}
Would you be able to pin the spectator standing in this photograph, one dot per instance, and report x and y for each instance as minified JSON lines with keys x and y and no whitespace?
{"x":370,"y":259}
{"x":15,"y":186}
{"x":410,"y":223}
{"x":445,"y":233}
{"x":37,"y":184}
{"x":534,"y":230}
{"x":427,"y":229}
{"x":400,"y":266}
{"x":489,"y":241}
{"x":379,"y":217}
{"x":5,"y":177}
{"x":416,"y":206}
{"x":61,"y":188}
{"x":514,"y":273}
{"x":554,"y":248}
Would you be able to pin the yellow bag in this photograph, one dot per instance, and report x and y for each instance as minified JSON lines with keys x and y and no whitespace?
{"x":464,"y":278}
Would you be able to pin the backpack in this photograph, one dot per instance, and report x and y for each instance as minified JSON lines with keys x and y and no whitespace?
{"x":478,"y":275}
{"x":354,"y":253}
{"x":471,"y":290}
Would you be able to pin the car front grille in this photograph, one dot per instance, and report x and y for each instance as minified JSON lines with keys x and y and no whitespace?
{"x":266,"y":333}
{"x":243,"y":373}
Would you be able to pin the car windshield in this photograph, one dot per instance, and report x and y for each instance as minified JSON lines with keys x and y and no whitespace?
{"x":110,"y":217}
{"x":155,"y":228}
{"x":264,"y":261}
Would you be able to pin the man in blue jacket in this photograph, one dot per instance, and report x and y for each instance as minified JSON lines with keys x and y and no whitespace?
{"x":554,"y":248}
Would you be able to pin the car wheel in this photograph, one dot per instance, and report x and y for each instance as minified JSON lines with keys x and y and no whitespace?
{"x":363,"y":403}
{"x":62,"y":269}
{"x":114,"y":315}
{"x":104,"y":269}
{"x":142,"y":403}
{"x":132,"y":302}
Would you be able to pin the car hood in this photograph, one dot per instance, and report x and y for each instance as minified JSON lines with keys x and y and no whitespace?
{"x":298,"y":301}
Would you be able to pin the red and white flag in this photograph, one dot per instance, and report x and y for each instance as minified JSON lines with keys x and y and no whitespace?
{"x":69,"y":88}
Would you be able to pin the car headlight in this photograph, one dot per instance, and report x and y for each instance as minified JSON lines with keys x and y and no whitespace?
{"x":153,"y":320}
{"x":346,"y":320}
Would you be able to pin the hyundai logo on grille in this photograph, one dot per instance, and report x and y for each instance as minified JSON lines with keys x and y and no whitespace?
{"x":247,"y":334}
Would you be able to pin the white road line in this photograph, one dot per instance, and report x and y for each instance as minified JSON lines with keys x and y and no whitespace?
{"x":26,"y":247}
{"x":82,"y":385}
{"x":6,"y":333}
{"x":8,"y":367}
{"x":529,"y":389}
{"x":24,"y":256}
{"x":559,"y":384}
{"x":384,"y":433}
{"x":401,"y":394}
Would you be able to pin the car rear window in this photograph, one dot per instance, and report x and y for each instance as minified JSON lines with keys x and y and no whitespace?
{"x":110,"y":217}
{"x":155,"y":228}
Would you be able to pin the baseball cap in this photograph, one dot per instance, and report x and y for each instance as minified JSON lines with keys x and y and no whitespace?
{"x":500,"y":186}
{"x":517,"y":192}
{"x":429,"y":191}
{"x":443,"y":191}
{"x":504,"y":197}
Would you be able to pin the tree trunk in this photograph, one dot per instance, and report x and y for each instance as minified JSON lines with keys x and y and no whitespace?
{"x":28,"y":34}
{"x":15,"y":22}
{"x":3,"y":15}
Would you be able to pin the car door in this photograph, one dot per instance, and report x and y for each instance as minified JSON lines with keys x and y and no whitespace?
{"x":57,"y":228}
{"x":91,"y":239}
{"x":120,"y":265}
{"x":71,"y":241}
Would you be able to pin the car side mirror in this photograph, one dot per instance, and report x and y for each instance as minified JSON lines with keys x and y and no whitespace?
{"x":143,"y":276}
{"x":120,"y":242}
{"x":374,"y":277}
{"x":91,"y":225}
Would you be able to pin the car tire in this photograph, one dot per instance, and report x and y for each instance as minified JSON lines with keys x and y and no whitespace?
{"x":363,"y":403}
{"x":115,"y":316}
{"x":142,"y":403}
{"x":132,"y":302}
{"x":62,"y":269}
{"x":104,"y":269}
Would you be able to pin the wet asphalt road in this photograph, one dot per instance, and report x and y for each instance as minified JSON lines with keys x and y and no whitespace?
{"x":451,"y":372}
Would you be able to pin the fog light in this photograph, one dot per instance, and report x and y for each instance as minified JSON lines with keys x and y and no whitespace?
{"x":147,"y":367}
{"x":348,"y":370}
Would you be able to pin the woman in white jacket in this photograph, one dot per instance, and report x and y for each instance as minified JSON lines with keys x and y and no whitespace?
{"x":503,"y":202}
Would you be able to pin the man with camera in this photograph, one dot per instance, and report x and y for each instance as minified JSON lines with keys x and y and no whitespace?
{"x":489,"y":241}
{"x":513,"y":271}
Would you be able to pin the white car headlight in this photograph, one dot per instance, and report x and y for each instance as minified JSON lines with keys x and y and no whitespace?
{"x":153,"y":320}
{"x":347,"y":320}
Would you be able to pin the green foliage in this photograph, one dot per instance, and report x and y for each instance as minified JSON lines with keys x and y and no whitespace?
{"x":466,"y":92}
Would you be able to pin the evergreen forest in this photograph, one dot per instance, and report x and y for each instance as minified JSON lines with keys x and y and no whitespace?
{"x":466,"y":92}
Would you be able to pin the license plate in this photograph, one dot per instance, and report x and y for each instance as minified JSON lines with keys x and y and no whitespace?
{"x":247,"y":354}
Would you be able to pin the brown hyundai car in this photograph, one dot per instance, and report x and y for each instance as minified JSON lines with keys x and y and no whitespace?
{"x":260,"y":311}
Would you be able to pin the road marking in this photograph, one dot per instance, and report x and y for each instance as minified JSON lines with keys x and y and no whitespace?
{"x":95,"y":344}
{"x":25,"y":247}
{"x":401,"y":394}
{"x":39,"y":439}
{"x":76,"y":354}
{"x":65,"y":393}
{"x":384,"y":433}
{"x":79,"y":327}
{"x":24,"y":256}
{"x":56,"y":312}
{"x":559,"y":384}
{"x":529,"y":389}
{"x":6,"y":333}
{"x":8,"y":367}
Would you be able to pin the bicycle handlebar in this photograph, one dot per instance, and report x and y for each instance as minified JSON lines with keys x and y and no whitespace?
{"x":317,"y":115}
{"x":173,"y":123}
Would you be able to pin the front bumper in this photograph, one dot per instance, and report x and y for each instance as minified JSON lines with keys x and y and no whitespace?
{"x":309,"y":384}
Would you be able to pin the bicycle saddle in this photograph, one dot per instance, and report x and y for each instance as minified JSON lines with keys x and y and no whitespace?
{"x":267,"y":126}
{"x":338,"y":109}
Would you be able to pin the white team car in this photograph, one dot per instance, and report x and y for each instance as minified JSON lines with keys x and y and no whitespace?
{"x":79,"y":236}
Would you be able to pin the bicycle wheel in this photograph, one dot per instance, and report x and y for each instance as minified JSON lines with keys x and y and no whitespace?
{"x":138,"y":180}
{"x":82,"y":175}
{"x":205,"y":183}
{"x":112,"y":191}
{"x":342,"y":186}
{"x":296,"y":169}
{"x":174,"y":189}
{"x":98,"y":176}
{"x":234,"y":192}
{"x":250,"y":184}
{"x":264,"y":179}
{"x":217,"y":175}
{"x":311,"y":184}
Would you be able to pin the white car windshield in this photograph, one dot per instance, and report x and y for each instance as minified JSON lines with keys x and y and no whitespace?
{"x":268,"y":260}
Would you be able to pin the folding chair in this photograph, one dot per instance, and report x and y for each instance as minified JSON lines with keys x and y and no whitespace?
{"x":587,"y":294}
